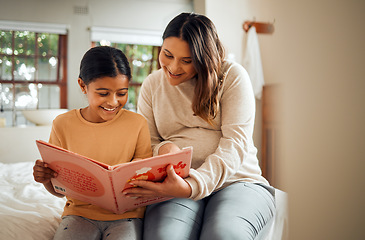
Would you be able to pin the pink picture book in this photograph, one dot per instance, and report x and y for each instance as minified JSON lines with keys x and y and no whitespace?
{"x":97,"y":183}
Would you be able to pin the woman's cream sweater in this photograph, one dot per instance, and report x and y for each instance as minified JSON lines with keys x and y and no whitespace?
{"x":223,"y":153}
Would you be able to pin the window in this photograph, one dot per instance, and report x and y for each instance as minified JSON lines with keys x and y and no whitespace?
{"x":33,"y":72}
{"x":140,"y":47}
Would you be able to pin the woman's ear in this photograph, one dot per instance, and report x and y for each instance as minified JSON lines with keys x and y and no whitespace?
{"x":82,"y":85}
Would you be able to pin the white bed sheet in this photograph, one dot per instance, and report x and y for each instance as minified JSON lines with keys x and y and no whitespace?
{"x":27,"y":210}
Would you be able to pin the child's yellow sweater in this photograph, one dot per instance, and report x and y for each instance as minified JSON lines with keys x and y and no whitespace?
{"x":113,"y":142}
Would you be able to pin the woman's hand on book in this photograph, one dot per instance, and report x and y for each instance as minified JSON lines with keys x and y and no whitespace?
{"x":172,"y":186}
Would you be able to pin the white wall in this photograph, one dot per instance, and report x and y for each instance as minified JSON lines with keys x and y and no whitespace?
{"x":18,"y":143}
{"x":131,"y":14}
{"x":317,"y":54}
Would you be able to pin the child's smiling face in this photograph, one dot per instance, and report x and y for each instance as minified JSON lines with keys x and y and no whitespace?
{"x":106,"y":96}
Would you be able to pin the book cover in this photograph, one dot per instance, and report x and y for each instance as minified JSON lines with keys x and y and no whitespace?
{"x":97,"y":183}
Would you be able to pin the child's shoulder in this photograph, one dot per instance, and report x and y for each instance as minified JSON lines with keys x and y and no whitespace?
{"x":66,"y":116}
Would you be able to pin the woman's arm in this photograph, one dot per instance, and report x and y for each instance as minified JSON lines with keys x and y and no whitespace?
{"x":168,"y":148}
{"x":235,"y":156}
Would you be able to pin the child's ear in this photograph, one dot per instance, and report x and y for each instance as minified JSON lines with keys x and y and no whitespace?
{"x":82,"y":85}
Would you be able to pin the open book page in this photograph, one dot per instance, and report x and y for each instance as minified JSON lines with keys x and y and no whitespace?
{"x":79,"y":177}
{"x":151,"y":169}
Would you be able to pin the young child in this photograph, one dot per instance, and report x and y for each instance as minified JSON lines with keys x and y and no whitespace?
{"x":102,"y":131}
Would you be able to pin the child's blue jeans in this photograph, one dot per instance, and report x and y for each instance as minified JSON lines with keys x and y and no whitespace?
{"x":238,"y":211}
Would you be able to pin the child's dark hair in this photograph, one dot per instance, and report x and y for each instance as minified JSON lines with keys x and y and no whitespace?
{"x":103,"y":61}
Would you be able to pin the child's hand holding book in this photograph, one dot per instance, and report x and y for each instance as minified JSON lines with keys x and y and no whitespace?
{"x":42,"y":173}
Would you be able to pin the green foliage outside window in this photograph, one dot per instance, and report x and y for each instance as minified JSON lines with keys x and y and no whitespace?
{"x":34,"y":55}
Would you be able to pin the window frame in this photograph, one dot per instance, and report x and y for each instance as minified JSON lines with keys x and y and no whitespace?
{"x":61,"y":68}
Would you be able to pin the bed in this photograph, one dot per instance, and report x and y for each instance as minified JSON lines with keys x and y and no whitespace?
{"x":28,"y":211}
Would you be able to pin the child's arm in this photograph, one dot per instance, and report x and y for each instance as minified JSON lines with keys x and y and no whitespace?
{"x":43,"y":174}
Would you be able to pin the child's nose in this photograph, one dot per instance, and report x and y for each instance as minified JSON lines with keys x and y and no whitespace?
{"x":113,"y":100}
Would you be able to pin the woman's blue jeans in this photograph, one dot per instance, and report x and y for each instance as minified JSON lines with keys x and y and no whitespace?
{"x":238,"y":211}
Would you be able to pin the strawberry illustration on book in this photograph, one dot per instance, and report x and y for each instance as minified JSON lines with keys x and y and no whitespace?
{"x":143,"y":174}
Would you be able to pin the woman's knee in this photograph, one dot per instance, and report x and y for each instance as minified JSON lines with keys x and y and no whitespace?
{"x":239,"y":211}
{"x":233,"y":227}
{"x":174,"y":219}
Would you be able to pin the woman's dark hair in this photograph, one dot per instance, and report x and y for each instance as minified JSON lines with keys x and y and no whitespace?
{"x":103,"y":61}
{"x":207,"y":55}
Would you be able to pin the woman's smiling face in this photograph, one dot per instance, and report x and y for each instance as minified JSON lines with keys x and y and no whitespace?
{"x":175,"y":60}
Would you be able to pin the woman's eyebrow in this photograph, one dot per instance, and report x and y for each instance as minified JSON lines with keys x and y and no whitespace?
{"x":173,"y":54}
{"x":167,"y":51}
